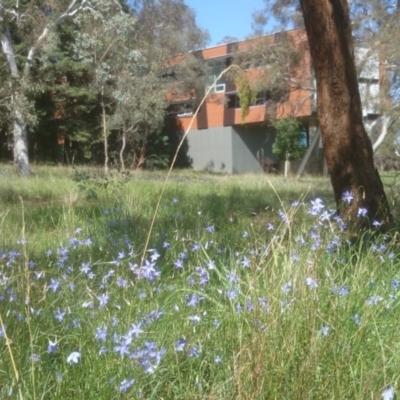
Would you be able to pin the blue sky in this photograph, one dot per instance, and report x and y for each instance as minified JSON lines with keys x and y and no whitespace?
{"x":225,"y":17}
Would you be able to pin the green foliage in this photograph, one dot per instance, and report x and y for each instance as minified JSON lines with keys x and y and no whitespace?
{"x":246,"y":95}
{"x":288,"y":139}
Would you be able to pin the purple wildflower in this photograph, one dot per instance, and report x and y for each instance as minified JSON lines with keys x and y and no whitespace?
{"x":347,"y":197}
{"x":125,"y":385}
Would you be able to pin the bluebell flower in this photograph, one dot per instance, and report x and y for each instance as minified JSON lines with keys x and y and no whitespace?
{"x":362,"y":212}
{"x":63,"y":251}
{"x":135,"y":330}
{"x":194,"y":352}
{"x":218,"y":359}
{"x":88,"y":242}
{"x":245,"y":262}
{"x":203,"y":274}
{"x":125,"y":385}
{"x":347,"y":197}
{"x":270,"y":227}
{"x":39,"y":274}
{"x":121,"y":282}
{"x":52,"y":347}
{"x":389,"y":394}
{"x":232,"y":277}
{"x":149,"y":272}
{"x":180,"y":344}
{"x":74,"y":357}
{"x":211,"y":264}
{"x":76,"y":323}
{"x":178,"y":263}
{"x":374,"y":300}
{"x":193,"y":300}
{"x":101,"y":333}
{"x":263,"y":303}
{"x":71,"y":286}
{"x":317,"y":206}
{"x":60,"y":315}
{"x":232,"y":293}
{"x":249,"y":304}
{"x":122,"y":348}
{"x":287,"y":287}
{"x":325,"y":216}
{"x":324,"y":331}
{"x":395,"y":284}
{"x":85,"y":268}
{"x":194,"y":318}
{"x":210,"y":229}
{"x":283,"y":216}
{"x":74,"y":242}
{"x":311,"y":283}
{"x":154,"y":255}
{"x":35,"y":357}
{"x":356,"y":319}
{"x":191,"y":281}
{"x":103,"y":300}
{"x":195,"y":247}
{"x":341,"y":290}
{"x":54,"y":285}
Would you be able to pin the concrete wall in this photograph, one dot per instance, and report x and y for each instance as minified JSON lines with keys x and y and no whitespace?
{"x":230,"y":149}
{"x":247,"y":142}
{"x":211,"y":149}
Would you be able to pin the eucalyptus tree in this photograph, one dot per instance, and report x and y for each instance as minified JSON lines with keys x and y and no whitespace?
{"x":347,"y":147}
{"x":134,"y":58}
{"x":106,"y":43}
{"x":33,"y":20}
{"x":376,"y":30}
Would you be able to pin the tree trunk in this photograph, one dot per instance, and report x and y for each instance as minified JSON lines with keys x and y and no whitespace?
{"x":142,"y":155}
{"x":21,"y":159}
{"x":103,"y":108}
{"x":347,"y":148}
{"x":20,"y":137}
{"x":121,"y":153}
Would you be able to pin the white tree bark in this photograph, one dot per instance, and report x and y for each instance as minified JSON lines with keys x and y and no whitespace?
{"x":103,"y":108}
{"x":21,"y":158}
{"x":384,"y":130}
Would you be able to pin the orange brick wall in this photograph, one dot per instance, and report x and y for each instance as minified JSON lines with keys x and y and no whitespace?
{"x":214,"y":112}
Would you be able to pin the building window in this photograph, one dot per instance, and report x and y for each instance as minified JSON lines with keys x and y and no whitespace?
{"x":262,"y":98}
{"x":182,"y":109}
{"x":232,"y":100}
{"x":215,"y":69}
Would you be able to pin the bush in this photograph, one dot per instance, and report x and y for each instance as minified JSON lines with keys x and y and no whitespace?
{"x":288,"y":139}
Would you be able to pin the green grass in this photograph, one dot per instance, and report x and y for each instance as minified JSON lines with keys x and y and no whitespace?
{"x":266,"y":309}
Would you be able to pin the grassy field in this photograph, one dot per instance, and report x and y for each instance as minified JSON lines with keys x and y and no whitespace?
{"x":249,"y":288}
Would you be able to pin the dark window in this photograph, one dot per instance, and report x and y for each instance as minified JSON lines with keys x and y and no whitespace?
{"x":232,"y":100}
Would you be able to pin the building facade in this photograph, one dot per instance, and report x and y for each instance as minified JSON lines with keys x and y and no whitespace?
{"x":219,"y":140}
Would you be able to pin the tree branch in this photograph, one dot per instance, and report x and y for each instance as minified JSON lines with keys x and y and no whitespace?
{"x":70,"y":12}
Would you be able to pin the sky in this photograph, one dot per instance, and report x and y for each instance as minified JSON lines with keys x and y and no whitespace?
{"x":225,"y":17}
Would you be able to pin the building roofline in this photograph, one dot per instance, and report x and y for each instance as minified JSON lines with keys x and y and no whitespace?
{"x":247,"y":40}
